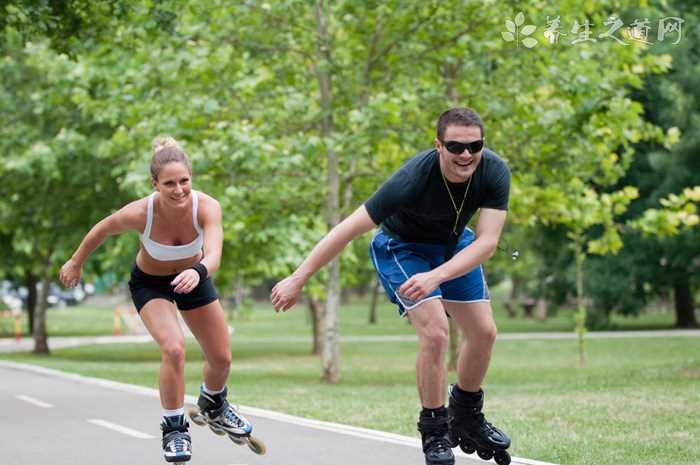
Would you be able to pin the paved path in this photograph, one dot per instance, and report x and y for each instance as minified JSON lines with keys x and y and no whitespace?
{"x":52,"y":418}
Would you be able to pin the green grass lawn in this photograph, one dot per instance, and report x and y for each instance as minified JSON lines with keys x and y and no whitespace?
{"x":262,"y":321}
{"x":637,"y":401}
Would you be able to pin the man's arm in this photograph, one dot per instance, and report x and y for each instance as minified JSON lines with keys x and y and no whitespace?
{"x":285,"y":294}
{"x":488,"y":232}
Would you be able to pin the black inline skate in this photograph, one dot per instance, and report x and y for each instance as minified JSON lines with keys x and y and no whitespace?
{"x":177,"y":445}
{"x":224,"y":419}
{"x":435,"y":434}
{"x":472,"y":433}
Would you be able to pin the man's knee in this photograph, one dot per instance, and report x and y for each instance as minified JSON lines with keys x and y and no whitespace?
{"x":436,"y":339}
{"x":485,"y":334}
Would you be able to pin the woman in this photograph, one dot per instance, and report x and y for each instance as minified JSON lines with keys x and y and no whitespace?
{"x":181,"y":238}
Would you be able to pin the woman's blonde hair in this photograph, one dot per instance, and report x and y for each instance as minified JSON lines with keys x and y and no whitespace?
{"x":167,"y":150}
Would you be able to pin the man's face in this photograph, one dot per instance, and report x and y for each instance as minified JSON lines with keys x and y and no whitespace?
{"x":458,"y":167}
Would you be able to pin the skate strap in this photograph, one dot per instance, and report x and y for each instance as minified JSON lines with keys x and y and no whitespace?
{"x":433,"y":424}
{"x":183,"y":428}
{"x":214,"y":412}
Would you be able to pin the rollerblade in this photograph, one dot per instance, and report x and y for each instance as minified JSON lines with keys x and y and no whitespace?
{"x":435,"y":436}
{"x":472,"y":433}
{"x":223,"y":419}
{"x":177,"y":445}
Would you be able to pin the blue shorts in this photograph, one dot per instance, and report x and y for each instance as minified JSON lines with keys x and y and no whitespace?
{"x":396,"y":261}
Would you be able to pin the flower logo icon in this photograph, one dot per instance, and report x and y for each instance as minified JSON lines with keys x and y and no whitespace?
{"x":515,"y":32}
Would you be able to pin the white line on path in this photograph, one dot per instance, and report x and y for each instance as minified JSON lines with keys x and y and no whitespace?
{"x":121,"y":429}
{"x":34,"y":401}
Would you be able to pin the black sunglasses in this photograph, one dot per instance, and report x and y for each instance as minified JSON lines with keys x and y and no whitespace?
{"x":458,"y":147}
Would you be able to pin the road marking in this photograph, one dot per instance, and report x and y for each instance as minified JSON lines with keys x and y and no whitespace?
{"x":121,"y":429}
{"x":34,"y":401}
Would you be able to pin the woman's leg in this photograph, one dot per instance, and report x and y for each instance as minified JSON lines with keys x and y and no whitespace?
{"x":209,"y":327}
{"x":160,"y":318}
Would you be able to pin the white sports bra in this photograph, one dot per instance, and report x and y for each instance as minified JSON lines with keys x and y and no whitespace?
{"x":164,"y":252}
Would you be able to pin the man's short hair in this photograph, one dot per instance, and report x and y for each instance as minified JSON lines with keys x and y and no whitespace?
{"x":460,"y":117}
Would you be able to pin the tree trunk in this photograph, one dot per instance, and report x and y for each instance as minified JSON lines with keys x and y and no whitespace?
{"x":683,"y":298}
{"x":41,"y":345}
{"x":316,"y":314}
{"x":331,"y":345}
{"x":542,"y":312}
{"x":580,"y":316}
{"x":30,"y":281}
{"x":454,"y":346}
{"x":511,"y":304}
{"x":373,"y":303}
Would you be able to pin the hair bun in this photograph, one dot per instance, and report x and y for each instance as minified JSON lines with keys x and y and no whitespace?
{"x":161,"y":142}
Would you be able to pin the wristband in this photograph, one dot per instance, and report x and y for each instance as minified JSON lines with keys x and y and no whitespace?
{"x":201,"y":271}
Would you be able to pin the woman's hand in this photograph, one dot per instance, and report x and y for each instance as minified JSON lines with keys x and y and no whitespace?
{"x":185,"y":281}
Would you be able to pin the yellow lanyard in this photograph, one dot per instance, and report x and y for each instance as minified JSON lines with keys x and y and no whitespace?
{"x":458,"y":211}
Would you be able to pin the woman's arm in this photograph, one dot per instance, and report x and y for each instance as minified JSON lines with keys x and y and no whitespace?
{"x":129,"y":217}
{"x":210,"y":215}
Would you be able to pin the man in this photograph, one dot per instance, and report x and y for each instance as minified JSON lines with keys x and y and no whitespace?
{"x":430,"y":266}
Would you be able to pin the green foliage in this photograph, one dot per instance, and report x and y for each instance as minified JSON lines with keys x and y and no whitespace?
{"x":87,"y":85}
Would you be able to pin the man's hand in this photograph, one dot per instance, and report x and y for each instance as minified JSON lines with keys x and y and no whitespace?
{"x":70,"y":274}
{"x":185,"y":281}
{"x":285,"y":293}
{"x":419,"y":286}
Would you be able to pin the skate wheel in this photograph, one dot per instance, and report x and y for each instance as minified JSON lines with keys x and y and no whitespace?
{"x":484,"y":454}
{"x":256,"y":445}
{"x":502,"y":457}
{"x":196,"y":416}
{"x":217,"y":431}
{"x":467,"y":447}
{"x":239,"y":441}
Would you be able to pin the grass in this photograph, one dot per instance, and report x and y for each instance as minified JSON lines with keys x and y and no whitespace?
{"x":93,"y":320}
{"x":636,"y":402}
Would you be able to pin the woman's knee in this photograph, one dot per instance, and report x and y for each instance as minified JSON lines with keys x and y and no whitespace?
{"x":173,"y":351}
{"x":221,"y":360}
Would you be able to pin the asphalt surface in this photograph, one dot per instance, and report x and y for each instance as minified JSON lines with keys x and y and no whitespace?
{"x":50,"y":418}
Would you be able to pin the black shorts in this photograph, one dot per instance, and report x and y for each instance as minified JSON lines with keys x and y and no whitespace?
{"x":145,"y":287}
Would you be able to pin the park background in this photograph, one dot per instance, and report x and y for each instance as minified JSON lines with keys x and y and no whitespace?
{"x":293,"y":112}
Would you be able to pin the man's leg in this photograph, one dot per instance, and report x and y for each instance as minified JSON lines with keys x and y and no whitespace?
{"x":431,"y":326}
{"x":395,"y":262}
{"x":469,"y":426}
{"x":475,"y":321}
{"x":430,"y":322}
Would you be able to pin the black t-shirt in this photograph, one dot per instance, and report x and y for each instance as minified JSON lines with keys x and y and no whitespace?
{"x":414,"y":205}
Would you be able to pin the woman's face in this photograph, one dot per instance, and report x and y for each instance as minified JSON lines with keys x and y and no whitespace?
{"x":174,"y":183}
